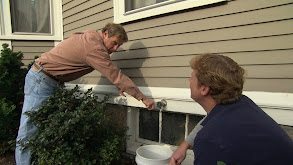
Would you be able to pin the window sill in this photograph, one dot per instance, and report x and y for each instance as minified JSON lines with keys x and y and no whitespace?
{"x":30,"y":37}
{"x":170,"y":6}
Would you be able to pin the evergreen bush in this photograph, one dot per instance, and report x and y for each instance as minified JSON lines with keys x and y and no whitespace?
{"x":12,"y":75}
{"x":74,"y":129}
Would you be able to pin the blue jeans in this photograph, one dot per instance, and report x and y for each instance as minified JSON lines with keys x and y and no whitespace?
{"x":38,"y":87}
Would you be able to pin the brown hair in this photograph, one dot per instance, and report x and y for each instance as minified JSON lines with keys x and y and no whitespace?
{"x":115,"y":30}
{"x":223,"y":75}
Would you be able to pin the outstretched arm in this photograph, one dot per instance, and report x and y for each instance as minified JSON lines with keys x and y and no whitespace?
{"x":101,"y":61}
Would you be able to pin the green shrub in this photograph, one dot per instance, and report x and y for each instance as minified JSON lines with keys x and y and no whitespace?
{"x":12,"y":75}
{"x":73,"y":129}
{"x":31,"y":64}
{"x":7,"y":126}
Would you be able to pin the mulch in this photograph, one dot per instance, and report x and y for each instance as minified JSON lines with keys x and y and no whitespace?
{"x":126,"y":159}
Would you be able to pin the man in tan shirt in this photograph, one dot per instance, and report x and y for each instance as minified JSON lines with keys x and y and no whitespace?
{"x":74,"y":57}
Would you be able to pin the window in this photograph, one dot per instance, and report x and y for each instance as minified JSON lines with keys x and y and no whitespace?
{"x":31,"y":19}
{"x":131,"y":5}
{"x":30,"y":16}
{"x":165,"y":127}
{"x":129,"y":10}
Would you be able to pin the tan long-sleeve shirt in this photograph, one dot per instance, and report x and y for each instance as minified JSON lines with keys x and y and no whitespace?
{"x":82,"y":53}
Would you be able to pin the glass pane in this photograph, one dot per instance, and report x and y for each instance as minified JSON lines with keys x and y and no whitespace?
{"x":31,"y":16}
{"x":135,"y":4}
{"x":193,"y":120}
{"x":149,"y":124}
{"x":173,"y":128}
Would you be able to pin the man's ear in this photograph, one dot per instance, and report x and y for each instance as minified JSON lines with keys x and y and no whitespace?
{"x":205,"y":90}
{"x":106,"y":33}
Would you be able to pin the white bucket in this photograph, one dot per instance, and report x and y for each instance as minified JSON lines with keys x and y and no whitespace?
{"x":153,"y":155}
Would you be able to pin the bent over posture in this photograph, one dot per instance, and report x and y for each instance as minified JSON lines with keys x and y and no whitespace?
{"x":74,"y":57}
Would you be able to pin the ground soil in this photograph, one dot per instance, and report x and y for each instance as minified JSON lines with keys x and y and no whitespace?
{"x":7,"y":159}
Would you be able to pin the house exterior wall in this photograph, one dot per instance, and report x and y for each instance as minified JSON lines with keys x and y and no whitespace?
{"x":256,"y":34}
{"x":30,"y":49}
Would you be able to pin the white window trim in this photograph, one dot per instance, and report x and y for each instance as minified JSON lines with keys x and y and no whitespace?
{"x":1,"y":19}
{"x":120,"y":16}
{"x":56,"y":23}
{"x":279,"y":106}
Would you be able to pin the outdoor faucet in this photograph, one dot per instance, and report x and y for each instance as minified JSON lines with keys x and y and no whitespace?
{"x":161,"y":104}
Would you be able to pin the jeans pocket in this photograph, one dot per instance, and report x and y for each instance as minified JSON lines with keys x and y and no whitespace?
{"x":45,"y":88}
{"x":38,"y":84}
{"x":30,"y":83}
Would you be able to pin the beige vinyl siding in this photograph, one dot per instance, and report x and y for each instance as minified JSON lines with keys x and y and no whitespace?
{"x":30,"y":49}
{"x":86,"y":15}
{"x":256,"y":34}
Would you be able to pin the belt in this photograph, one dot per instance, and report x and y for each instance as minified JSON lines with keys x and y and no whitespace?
{"x":36,"y":67}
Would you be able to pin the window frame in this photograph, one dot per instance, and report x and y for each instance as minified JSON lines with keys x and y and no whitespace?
{"x":56,"y":24}
{"x":134,"y":141}
{"x":120,"y":16}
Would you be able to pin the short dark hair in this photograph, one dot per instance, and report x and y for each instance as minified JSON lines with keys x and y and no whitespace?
{"x":116,"y":30}
{"x":223,"y":75}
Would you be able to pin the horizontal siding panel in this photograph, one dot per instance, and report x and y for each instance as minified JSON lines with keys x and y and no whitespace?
{"x":70,"y":5}
{"x":79,"y":6}
{"x":251,"y":31}
{"x":33,"y":43}
{"x":89,"y":20}
{"x":164,"y":72}
{"x":263,"y":57}
{"x":241,"y":45}
{"x":252,"y":71}
{"x":248,"y":18}
{"x":93,"y":26}
{"x":29,"y":55}
{"x":155,"y":62}
{"x":32,"y":49}
{"x":242,"y":58}
{"x":86,"y":13}
{"x":64,"y":2}
{"x":231,"y":7}
{"x":269,"y":71}
{"x":268,"y":85}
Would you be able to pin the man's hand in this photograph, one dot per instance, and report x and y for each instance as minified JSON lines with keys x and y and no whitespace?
{"x":179,"y":155}
{"x":121,"y":92}
{"x":150,"y":105}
